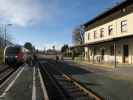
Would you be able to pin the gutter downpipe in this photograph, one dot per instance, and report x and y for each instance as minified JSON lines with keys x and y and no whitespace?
{"x":115,"y":55}
{"x":93,"y":55}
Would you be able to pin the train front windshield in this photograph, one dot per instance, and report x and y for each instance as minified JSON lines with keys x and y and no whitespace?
{"x":12,"y":51}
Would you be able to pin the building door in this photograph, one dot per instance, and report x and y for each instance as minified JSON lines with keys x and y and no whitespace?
{"x":102,"y":53}
{"x":125,"y":53}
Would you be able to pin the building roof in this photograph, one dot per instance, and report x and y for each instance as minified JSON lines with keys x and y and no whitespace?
{"x":109,"y":11}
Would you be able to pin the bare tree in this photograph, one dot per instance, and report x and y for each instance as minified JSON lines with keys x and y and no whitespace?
{"x":78,"y":36}
{"x":9,"y":37}
{"x":1,"y":37}
{"x":78,"y":39}
{"x":5,"y":37}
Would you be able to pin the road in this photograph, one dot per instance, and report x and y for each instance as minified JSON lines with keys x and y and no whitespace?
{"x":24,"y":84}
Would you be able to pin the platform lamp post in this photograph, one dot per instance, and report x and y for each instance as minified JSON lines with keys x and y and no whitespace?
{"x":5,"y":32}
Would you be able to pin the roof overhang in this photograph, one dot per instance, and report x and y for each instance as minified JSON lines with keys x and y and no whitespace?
{"x":109,"y":11}
{"x":115,"y":39}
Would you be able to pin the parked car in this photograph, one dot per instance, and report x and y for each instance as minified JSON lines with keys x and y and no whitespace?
{"x":14,"y":55}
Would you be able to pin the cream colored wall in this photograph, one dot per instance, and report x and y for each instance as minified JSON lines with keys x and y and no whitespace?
{"x":120,"y":44}
{"x":119,"y":51}
{"x":116,"y":29}
{"x":116,"y":33}
{"x":107,"y":56}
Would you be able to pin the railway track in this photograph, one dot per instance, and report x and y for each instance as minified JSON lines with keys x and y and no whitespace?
{"x":5,"y":72}
{"x":69,"y":88}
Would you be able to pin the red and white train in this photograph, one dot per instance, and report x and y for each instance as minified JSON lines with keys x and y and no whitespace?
{"x":16,"y":55}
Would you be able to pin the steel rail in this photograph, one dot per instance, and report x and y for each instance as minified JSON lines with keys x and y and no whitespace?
{"x":82,"y":87}
{"x":54,"y":82}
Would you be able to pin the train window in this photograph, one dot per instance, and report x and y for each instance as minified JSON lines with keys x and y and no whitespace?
{"x":12,"y":50}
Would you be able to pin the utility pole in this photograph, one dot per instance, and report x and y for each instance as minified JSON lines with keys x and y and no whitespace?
{"x":5,"y":35}
{"x":5,"y":32}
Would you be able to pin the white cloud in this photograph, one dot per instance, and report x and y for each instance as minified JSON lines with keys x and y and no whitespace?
{"x":21,"y":12}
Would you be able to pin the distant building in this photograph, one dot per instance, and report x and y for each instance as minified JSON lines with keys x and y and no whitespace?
{"x":108,"y":37}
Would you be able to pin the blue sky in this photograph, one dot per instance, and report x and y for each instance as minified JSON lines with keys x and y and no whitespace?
{"x":48,"y":22}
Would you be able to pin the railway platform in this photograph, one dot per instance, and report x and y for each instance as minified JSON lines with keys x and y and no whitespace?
{"x":24,"y":84}
{"x":111,"y":84}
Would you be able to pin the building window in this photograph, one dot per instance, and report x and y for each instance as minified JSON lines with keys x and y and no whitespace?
{"x":124,"y":26}
{"x":123,"y":10}
{"x":112,"y":50}
{"x":110,"y":30}
{"x":94,"y":52}
{"x":88,"y":36}
{"x":91,"y":53}
{"x":95,"y":34}
{"x":102,"y":32}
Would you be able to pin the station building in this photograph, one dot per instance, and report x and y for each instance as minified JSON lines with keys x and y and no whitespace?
{"x":108,"y":37}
